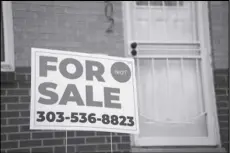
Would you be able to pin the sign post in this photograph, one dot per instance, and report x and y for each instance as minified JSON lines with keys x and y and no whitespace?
{"x":79,"y":91}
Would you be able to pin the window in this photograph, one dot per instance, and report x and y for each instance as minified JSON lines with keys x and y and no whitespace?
{"x":174,"y":74}
{"x":7,"y":42}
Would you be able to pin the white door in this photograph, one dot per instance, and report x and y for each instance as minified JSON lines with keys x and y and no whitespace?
{"x":174,"y":75}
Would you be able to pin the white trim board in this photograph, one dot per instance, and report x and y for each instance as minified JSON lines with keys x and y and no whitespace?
{"x":9,"y":63}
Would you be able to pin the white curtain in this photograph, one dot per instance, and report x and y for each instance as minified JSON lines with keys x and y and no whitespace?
{"x":170,"y":97}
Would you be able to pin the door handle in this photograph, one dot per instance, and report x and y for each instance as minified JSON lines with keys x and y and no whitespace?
{"x":134,"y":46}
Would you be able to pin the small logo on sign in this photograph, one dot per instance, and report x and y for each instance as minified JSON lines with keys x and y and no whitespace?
{"x":120,"y":72}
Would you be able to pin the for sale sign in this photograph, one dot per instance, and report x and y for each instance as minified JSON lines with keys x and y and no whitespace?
{"x":78,"y":91}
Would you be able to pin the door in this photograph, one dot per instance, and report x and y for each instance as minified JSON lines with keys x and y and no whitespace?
{"x":174,"y":75}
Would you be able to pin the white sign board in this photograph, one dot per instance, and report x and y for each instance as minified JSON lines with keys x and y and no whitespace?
{"x":78,"y":91}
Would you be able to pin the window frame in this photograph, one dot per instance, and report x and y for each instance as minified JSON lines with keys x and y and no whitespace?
{"x":8,"y":64}
{"x":214,"y":139}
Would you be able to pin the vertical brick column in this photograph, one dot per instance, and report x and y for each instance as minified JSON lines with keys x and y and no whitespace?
{"x":222,"y":90}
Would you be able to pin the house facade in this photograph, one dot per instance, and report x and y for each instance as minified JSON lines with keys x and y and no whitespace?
{"x":181,"y":55}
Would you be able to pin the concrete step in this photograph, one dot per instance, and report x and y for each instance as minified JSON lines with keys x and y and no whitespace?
{"x":179,"y":150}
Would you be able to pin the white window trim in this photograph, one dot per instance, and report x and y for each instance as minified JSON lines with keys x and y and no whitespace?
{"x":8,"y":63}
{"x":214,"y":137}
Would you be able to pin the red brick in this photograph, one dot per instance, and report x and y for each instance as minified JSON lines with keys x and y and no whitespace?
{"x":9,"y":114}
{"x":51,"y":142}
{"x":10,"y":76}
{"x":125,"y":138}
{"x":42,"y":150}
{"x":221,"y":91}
{"x":124,"y":146}
{"x":223,"y":124}
{"x":8,"y":85}
{"x":18,"y":107}
{"x":23,"y":70}
{"x":3,"y":121}
{"x":61,"y":134}
{"x":19,"y":136}
{"x":25,"y":113}
{"x":3,"y":76}
{"x":3,"y":92}
{"x":115,"y":139}
{"x":70,"y":149}
{"x":9,"y":129}
{"x":221,"y":97}
{"x":24,"y":84}
{"x":11,"y":99}
{"x":25,"y":99}
{"x":19,"y":151}
{"x":20,"y":77}
{"x":86,"y":148}
{"x":9,"y":145}
{"x":18,"y":92}
{"x":30,"y":143}
{"x":223,"y":117}
{"x":105,"y":147}
{"x":40,"y":135}
{"x":24,"y":128}
{"x":3,"y":137}
{"x":95,"y":140}
{"x":220,"y":81}
{"x":75,"y":141}
{"x":223,"y":111}
{"x":222,"y":104}
{"x":3,"y":107}
{"x":18,"y":121}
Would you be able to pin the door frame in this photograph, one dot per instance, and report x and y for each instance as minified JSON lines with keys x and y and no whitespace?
{"x":205,"y":43}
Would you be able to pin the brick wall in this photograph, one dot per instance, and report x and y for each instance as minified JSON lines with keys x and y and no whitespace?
{"x":15,"y":133}
{"x":222,"y":91}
